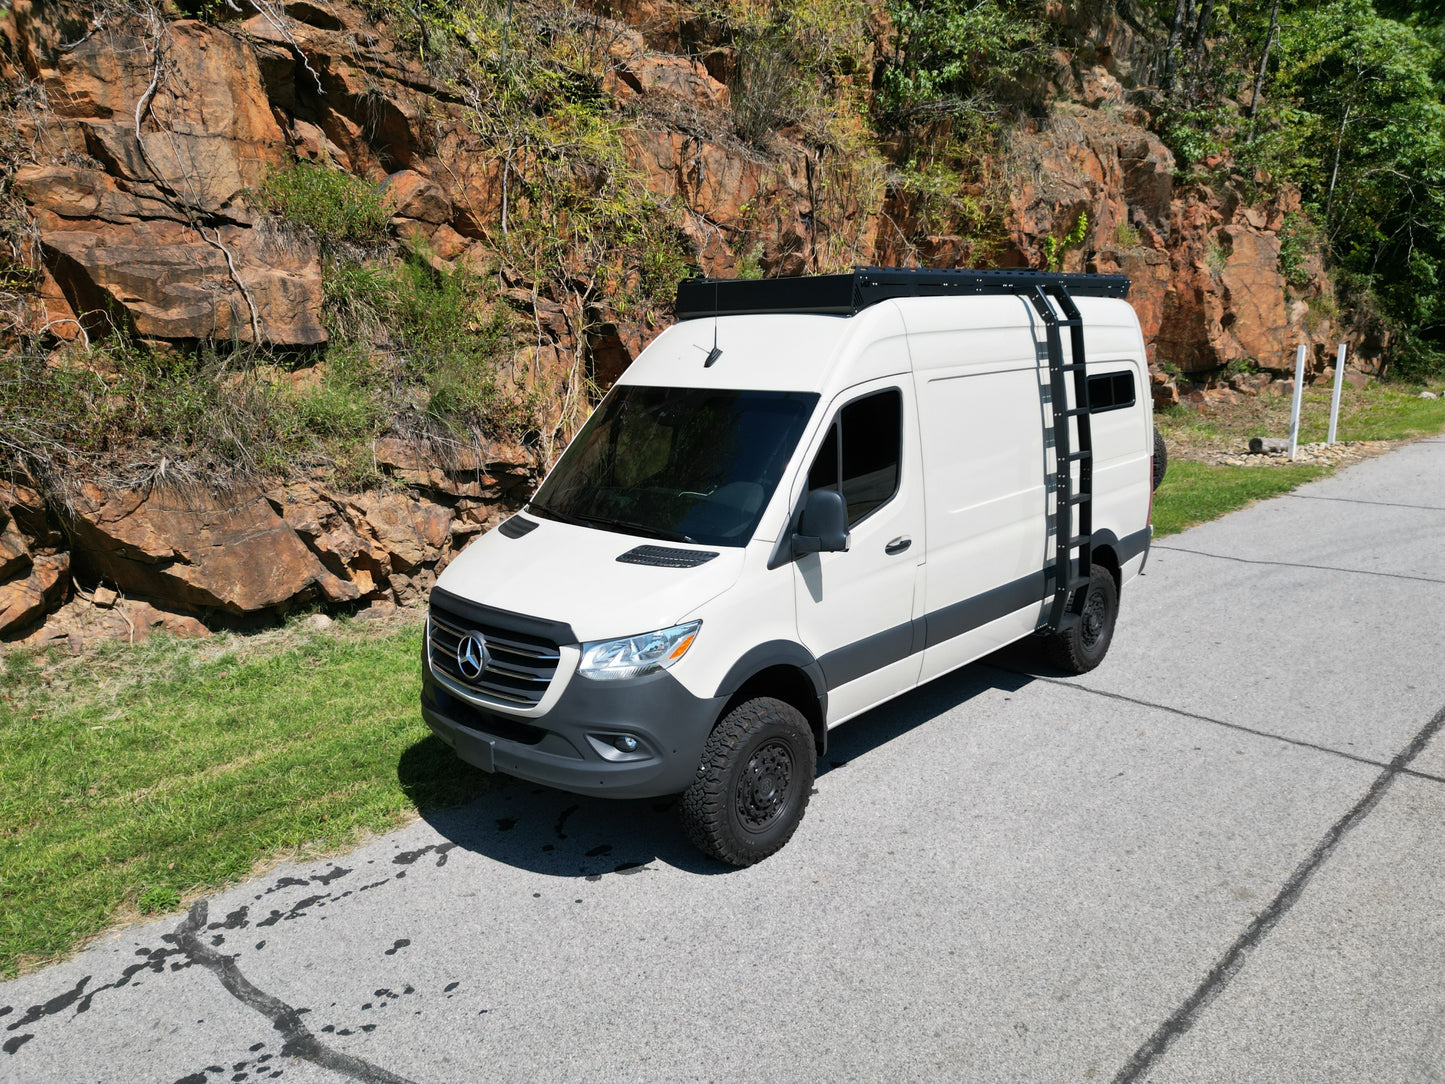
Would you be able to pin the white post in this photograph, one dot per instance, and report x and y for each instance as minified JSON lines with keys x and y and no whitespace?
{"x":1339,"y":386}
{"x":1299,"y":391}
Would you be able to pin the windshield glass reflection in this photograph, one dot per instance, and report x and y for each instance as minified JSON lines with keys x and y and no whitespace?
{"x":681,"y":464}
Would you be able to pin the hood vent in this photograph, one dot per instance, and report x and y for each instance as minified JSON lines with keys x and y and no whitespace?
{"x":517,"y":526}
{"x":662,"y":557}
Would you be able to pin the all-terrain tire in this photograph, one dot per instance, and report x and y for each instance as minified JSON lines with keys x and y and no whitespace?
{"x":1161,"y":458}
{"x":1082,"y":645}
{"x":753,"y":783}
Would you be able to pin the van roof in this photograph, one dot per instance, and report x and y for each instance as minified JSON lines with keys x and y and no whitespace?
{"x":810,"y":352}
{"x":847,"y":294}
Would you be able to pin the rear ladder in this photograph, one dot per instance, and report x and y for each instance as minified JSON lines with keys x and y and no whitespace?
{"x":1073,"y":516}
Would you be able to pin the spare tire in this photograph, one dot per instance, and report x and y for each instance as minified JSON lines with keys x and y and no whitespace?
{"x":1161,"y":458}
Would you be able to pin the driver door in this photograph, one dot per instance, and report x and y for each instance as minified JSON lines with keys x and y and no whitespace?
{"x":856,"y":609}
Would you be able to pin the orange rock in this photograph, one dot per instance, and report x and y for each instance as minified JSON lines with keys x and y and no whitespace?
{"x":14,"y":553}
{"x":413,"y":196}
{"x":26,"y":598}
{"x":231,"y":552}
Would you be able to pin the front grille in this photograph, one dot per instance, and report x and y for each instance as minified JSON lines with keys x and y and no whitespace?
{"x":519,"y":666}
{"x":490,"y":722}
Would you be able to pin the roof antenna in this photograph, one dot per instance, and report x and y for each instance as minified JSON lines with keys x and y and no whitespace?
{"x":715,"y":352}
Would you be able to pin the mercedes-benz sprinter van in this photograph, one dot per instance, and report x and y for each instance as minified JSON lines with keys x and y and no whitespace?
{"x":804,"y":498}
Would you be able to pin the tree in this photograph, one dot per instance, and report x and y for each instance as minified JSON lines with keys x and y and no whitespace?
{"x":1357,"y":121}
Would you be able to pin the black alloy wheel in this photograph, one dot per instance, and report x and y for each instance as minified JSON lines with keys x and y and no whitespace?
{"x":753,"y":783}
{"x":1082,"y":644}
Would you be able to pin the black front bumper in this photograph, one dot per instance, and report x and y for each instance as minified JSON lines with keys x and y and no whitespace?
{"x":571,"y":747}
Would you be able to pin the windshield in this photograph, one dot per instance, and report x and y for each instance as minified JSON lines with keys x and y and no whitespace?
{"x":682,"y":464}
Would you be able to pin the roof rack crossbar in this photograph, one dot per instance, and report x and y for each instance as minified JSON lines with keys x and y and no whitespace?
{"x":852,"y":292}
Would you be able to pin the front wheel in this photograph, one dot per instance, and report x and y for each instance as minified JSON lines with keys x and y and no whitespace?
{"x":1082,"y":645}
{"x":753,"y":784}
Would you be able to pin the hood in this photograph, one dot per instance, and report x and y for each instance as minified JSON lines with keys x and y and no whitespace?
{"x":562,"y":572}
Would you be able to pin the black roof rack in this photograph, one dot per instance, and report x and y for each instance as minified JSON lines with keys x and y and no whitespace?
{"x":847,"y":294}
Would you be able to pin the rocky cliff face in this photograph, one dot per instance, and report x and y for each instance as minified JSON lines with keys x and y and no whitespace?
{"x":140,"y":135}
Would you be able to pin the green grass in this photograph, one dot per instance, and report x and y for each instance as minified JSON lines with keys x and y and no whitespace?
{"x":1194,"y":493}
{"x":146,"y":774}
{"x":333,"y":204}
{"x":1380,"y":412}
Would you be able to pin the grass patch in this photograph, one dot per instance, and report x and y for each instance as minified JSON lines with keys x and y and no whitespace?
{"x":334,"y":205}
{"x":1379,"y":412}
{"x":155,"y":772}
{"x":1194,"y":493}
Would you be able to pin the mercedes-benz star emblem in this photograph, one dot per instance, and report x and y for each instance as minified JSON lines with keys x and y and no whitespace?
{"x":472,"y":655}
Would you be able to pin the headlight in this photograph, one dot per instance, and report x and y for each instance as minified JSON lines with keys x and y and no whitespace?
{"x":637,"y":655}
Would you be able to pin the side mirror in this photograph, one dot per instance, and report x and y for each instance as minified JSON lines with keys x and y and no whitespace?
{"x":824,"y":526}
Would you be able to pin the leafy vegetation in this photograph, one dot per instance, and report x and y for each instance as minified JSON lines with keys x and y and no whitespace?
{"x":1345,"y":100}
{"x":1055,"y":247}
{"x":415,"y":350}
{"x":958,"y":56}
{"x":333,"y":205}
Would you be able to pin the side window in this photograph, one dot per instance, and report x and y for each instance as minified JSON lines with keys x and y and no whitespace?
{"x":1111,"y":391}
{"x":861,"y":453}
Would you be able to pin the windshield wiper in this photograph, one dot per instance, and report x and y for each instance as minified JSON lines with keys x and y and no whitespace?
{"x":644,"y":529}
{"x":620,"y":524}
{"x":560,"y":517}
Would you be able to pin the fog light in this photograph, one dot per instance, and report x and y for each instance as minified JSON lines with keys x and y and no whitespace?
{"x":625,"y":743}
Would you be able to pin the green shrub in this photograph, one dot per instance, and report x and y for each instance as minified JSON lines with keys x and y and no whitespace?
{"x":1193,"y":134}
{"x":945,"y":53}
{"x":335,"y":206}
{"x":1297,"y":240}
{"x":1055,"y":247}
{"x":1417,"y":360}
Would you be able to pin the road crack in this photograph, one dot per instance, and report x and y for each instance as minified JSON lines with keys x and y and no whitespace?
{"x":1228,"y":965}
{"x":298,"y":1042}
{"x":1297,"y":564}
{"x":1240,"y":727}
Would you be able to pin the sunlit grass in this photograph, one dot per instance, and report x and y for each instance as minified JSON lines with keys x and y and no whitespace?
{"x":1193,"y":493}
{"x":158,"y":772}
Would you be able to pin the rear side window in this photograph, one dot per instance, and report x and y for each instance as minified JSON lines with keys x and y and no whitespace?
{"x":1111,"y":391}
{"x":860,"y":455}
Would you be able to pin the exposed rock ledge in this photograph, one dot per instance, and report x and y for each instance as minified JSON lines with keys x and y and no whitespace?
{"x":122,"y":565}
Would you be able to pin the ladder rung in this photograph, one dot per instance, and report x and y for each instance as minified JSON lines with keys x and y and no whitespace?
{"x":1078,"y":582}
{"x":1072,"y":367}
{"x":1075,"y":457}
{"x":1073,"y":412}
{"x":1078,"y":540}
{"x":1079,"y":498}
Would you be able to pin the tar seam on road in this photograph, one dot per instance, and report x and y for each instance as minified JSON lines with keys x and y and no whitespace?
{"x":1371,"y":761}
{"x":1223,"y":972}
{"x":1376,"y":504}
{"x":1296,"y":564}
{"x":299,"y":1042}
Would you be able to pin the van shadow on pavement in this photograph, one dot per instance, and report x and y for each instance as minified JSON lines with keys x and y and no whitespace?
{"x":551,"y":832}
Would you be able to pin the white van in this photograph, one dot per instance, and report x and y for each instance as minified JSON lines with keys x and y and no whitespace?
{"x":806,"y":497}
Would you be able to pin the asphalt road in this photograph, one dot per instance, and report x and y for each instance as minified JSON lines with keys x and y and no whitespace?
{"x":1218,"y":857}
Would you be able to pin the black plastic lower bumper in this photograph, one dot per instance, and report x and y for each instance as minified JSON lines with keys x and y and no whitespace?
{"x":575,"y":746}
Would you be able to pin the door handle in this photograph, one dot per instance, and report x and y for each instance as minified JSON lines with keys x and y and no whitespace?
{"x":898,"y":545}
